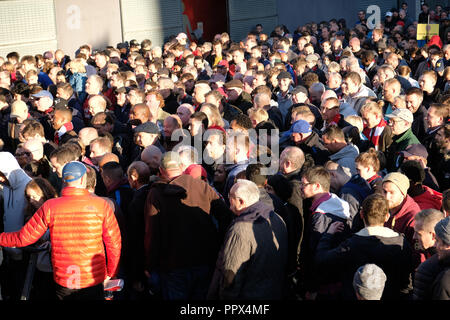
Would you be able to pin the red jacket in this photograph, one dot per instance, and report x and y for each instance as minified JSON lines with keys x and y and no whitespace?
{"x":430,"y":199}
{"x":403,"y":220}
{"x":79,"y":224}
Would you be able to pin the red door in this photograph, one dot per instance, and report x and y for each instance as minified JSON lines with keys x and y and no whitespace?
{"x":206,"y":17}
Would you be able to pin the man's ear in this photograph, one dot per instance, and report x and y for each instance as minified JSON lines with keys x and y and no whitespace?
{"x":133,"y":177}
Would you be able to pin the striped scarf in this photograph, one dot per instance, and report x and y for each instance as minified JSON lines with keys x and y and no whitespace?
{"x":374,"y":134}
{"x":65,"y":128}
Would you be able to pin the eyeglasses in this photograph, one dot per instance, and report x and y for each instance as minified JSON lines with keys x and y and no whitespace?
{"x":392,"y":121}
{"x":21,"y":154}
{"x":328,"y":109}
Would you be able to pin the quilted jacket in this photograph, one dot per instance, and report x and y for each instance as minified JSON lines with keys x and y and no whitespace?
{"x":81,"y":227}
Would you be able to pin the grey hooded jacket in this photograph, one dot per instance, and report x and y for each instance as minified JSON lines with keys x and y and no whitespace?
{"x":14,"y":201}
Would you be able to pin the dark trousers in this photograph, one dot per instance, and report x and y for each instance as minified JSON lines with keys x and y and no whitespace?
{"x":89,"y":293}
{"x":188,"y":283}
{"x":12,"y":276}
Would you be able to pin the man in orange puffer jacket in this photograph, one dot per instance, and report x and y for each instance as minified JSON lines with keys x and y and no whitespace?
{"x":81,"y":227}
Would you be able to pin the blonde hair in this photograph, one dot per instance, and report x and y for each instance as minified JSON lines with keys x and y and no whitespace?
{"x":373,"y":107}
{"x":212,"y":112}
{"x":77,"y":65}
{"x":369,"y":158}
{"x":356,"y":121}
{"x":334,"y":67}
{"x":258,"y":113}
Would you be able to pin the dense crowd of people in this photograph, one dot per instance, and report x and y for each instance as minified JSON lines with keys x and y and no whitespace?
{"x":305,"y":165}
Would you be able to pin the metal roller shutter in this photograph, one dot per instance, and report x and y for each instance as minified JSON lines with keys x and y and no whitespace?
{"x":150,"y":19}
{"x":244,"y":15}
{"x":27,"y":26}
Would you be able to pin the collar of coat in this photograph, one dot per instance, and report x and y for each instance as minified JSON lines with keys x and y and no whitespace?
{"x":377,"y":231}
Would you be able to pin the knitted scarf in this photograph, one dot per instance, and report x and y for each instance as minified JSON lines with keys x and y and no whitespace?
{"x":65,"y":128}
{"x":374,"y":134}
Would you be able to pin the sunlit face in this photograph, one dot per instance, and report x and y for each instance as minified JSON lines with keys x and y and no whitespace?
{"x":433,"y":120}
{"x":56,"y":167}
{"x":144,"y":139}
{"x":365,"y":172}
{"x":349,"y":87}
{"x":58,"y":121}
{"x":215,"y":147}
{"x":195,"y":127}
{"x":307,"y":188}
{"x":133,"y":98}
{"x":423,"y":237}
{"x":284,"y":84}
{"x":100,"y":60}
{"x":234,"y":203}
{"x":398,"y":125}
{"x":96,"y":152}
{"x":184,"y":115}
{"x":413,"y":102}
{"x":169,"y":126}
{"x":34,"y":197}
{"x":370,"y":119}
{"x":426,"y":83}
{"x":393,"y":194}
{"x":329,"y":111}
{"x":238,"y":57}
{"x":389,"y":92}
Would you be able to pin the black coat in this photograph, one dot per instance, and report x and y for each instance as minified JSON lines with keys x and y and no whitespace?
{"x":314,"y":147}
{"x":419,"y":125}
{"x":432,"y":279}
{"x":392,"y":254}
{"x":135,"y":228}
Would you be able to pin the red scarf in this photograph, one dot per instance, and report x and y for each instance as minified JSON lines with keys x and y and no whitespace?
{"x":335,"y":120}
{"x":374,"y":134}
{"x":373,"y":178}
{"x":65,"y":128}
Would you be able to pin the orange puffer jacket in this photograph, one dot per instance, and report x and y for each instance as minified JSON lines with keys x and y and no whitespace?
{"x":81,"y":227}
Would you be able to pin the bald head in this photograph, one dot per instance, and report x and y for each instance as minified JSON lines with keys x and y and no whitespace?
{"x":20,"y":110}
{"x":328,"y":94}
{"x":151,"y":155}
{"x":140,"y":111}
{"x":184,"y":112}
{"x":138,"y":174}
{"x":87,"y":134}
{"x":96,"y":104}
{"x":261,"y":100}
{"x":35,"y":147}
{"x":291,"y":159}
{"x":108,"y":157}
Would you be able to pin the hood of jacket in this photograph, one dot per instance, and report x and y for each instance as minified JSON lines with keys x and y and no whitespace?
{"x":349,"y":151}
{"x":169,"y":188}
{"x":335,"y":206}
{"x":13,"y":197}
{"x":357,"y":182}
{"x":12,"y":171}
{"x":256,"y":211}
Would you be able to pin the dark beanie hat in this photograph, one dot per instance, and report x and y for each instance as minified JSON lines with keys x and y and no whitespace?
{"x":413,"y":170}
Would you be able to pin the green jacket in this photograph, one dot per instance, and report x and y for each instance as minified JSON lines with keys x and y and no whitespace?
{"x":404,"y":140}
{"x":399,"y":143}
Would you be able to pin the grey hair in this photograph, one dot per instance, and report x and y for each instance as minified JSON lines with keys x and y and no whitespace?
{"x":318,"y":87}
{"x":246,"y":190}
